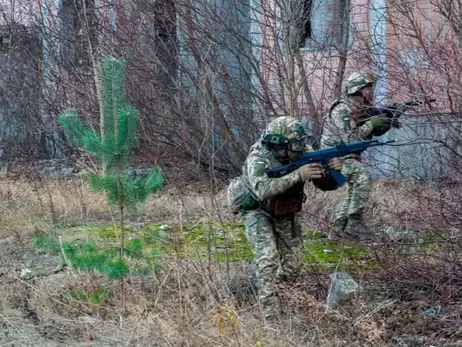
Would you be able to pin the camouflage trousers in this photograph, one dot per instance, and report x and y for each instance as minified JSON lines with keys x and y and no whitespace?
{"x":278,"y":247}
{"x":359,"y":188}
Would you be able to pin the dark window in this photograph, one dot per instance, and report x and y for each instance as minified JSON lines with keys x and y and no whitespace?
{"x":305,"y":27}
{"x":77,"y":32}
{"x":321,"y":23}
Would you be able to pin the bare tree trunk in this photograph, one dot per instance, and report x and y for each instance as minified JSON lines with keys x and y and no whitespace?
{"x":96,"y":77}
{"x":343,"y":52}
{"x":292,"y":89}
{"x":306,"y":88}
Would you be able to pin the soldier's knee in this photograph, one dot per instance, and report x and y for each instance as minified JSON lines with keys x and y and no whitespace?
{"x":294,"y":273}
{"x":290,"y":270}
{"x":364,"y":179}
{"x":267,"y":269}
{"x":289,"y":276}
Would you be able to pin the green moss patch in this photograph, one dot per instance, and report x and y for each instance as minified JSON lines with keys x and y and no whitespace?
{"x":214,"y":241}
{"x":223,"y":242}
{"x":326,"y":254}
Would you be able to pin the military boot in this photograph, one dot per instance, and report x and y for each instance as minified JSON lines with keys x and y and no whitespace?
{"x":339,"y":230}
{"x":271,"y":323}
{"x":357,"y":227}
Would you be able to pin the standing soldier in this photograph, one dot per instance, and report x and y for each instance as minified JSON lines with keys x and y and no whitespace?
{"x":347,"y":121}
{"x":270,"y":220}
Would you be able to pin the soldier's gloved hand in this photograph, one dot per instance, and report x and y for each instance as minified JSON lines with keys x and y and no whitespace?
{"x":376,"y":121}
{"x":310,"y":172}
{"x":336,"y":164}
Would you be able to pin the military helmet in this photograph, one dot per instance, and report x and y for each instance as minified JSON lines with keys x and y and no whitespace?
{"x":286,"y":131}
{"x":356,"y":81}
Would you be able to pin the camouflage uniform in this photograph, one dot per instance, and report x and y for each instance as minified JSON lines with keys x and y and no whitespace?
{"x":271,"y":225}
{"x":341,"y":126}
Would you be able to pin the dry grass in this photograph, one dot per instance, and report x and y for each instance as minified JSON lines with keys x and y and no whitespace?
{"x":61,"y":200}
{"x":400,"y":204}
{"x":180,"y":305}
{"x":182,"y":309}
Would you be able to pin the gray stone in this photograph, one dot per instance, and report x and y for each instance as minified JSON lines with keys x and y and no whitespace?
{"x":342,"y":288}
{"x":408,"y":340}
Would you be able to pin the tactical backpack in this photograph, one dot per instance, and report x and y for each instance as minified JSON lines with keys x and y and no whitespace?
{"x":240,"y":198}
{"x":329,"y":112}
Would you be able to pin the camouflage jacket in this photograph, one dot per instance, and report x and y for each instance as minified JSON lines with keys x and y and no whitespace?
{"x":263,"y":187}
{"x":273,"y":194}
{"x":285,"y":190}
{"x":340,"y":126}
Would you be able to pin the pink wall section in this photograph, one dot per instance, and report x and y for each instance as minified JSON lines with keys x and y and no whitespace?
{"x":423,"y":53}
{"x":435,"y":47}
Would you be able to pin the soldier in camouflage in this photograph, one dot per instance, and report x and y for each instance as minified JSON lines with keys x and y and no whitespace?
{"x":271,"y":224}
{"x":347,"y":121}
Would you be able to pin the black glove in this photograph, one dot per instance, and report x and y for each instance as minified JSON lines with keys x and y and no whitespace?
{"x":392,"y":114}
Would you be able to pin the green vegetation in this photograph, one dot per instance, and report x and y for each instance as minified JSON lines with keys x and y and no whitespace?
{"x":223,"y":242}
{"x":112,"y":145}
{"x":95,"y":297}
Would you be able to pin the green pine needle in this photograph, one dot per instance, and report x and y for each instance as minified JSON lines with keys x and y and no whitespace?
{"x":78,"y":295}
{"x":46,"y":243}
{"x":77,"y":132}
{"x":127,"y":116}
{"x":112,"y":89}
{"x":134,"y":248}
{"x":113,"y":148}
{"x":97,"y":297}
{"x":134,"y":190}
{"x":116,"y":268}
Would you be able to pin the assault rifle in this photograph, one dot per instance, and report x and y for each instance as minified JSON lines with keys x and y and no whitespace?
{"x":323,"y":157}
{"x":394,"y":111}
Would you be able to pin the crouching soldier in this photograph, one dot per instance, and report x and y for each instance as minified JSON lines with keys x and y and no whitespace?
{"x":270,"y":216}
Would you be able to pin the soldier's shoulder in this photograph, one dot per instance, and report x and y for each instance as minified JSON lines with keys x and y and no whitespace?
{"x":341,"y":110}
{"x":340,"y":104}
{"x":259,"y":150}
{"x":256,"y":165}
{"x":257,"y":161}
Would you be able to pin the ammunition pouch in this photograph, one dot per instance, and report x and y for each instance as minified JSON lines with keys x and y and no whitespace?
{"x":287,"y":203}
{"x":283,"y":207}
{"x":249,"y":203}
{"x":386,"y":126}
